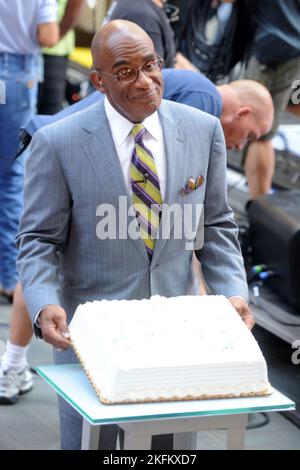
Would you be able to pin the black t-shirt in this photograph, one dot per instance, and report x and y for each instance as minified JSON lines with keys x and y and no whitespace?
{"x":153,"y":20}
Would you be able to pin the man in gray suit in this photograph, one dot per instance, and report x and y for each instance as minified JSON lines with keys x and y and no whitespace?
{"x":83,"y":162}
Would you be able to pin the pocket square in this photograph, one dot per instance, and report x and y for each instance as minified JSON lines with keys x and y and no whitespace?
{"x":192,"y":185}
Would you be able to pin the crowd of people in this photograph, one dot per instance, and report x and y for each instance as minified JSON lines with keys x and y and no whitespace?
{"x":85,"y":157}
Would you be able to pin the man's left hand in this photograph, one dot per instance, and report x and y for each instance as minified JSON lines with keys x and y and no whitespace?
{"x":243,"y":310}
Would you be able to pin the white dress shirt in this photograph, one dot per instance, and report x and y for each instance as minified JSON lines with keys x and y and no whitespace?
{"x":153,"y":139}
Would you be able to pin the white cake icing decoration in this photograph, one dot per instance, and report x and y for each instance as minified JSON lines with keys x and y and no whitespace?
{"x":167,"y":348}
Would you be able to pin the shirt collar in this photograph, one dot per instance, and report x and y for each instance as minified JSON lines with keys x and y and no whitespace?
{"x":121,"y":127}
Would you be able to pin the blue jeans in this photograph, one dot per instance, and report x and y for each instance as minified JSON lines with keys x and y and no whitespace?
{"x":19,"y":75}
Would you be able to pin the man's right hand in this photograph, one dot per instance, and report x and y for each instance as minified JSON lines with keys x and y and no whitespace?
{"x":53,"y":323}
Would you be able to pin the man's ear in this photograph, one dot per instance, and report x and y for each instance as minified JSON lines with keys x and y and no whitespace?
{"x":243,"y":111}
{"x":96,"y":80}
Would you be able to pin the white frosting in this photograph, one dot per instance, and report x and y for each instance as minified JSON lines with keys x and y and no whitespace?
{"x":167,"y":347}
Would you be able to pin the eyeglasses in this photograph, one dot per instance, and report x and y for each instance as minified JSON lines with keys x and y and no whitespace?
{"x":129,"y":75}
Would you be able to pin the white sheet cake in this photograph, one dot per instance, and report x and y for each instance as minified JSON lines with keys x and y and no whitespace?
{"x":161,"y":349}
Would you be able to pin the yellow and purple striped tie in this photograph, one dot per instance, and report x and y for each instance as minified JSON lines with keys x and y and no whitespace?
{"x":146,"y":194}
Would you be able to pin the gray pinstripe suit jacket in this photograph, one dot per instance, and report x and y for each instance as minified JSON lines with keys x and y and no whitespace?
{"x":73,"y":168}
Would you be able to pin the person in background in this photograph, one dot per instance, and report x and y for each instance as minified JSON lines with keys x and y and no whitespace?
{"x":275,"y":63}
{"x":150,"y":15}
{"x":24,"y":28}
{"x":51,"y":92}
{"x":244,"y":107}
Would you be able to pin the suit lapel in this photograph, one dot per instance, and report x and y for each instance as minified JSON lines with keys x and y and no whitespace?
{"x":102,"y":154}
{"x":176,"y":165}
